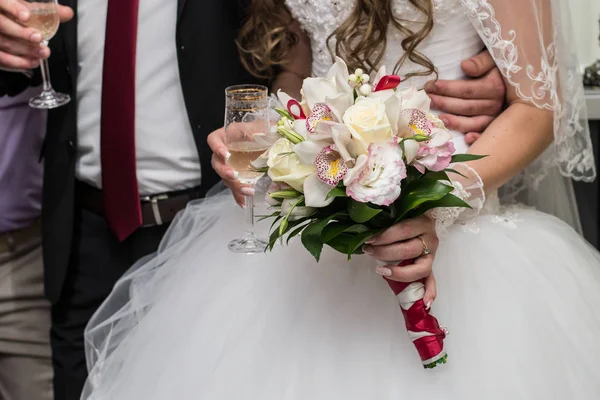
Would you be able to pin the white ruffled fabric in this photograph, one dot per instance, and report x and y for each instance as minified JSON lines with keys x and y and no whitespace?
{"x":468,"y":186}
{"x":519,"y":291}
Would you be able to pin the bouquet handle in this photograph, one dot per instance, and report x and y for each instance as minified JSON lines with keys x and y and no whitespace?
{"x":423,"y":328}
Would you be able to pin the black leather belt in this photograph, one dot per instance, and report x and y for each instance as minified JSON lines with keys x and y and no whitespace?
{"x":156,"y":209}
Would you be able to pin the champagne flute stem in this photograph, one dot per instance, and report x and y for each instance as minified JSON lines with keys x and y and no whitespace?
{"x":45,"y":72}
{"x":250,"y":215}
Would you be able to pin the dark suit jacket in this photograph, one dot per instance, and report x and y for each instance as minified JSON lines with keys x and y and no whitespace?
{"x":208,"y":62}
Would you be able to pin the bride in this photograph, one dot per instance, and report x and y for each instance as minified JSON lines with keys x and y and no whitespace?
{"x":518,"y":289}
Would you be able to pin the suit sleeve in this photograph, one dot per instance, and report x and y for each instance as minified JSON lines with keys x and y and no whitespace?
{"x":13,"y":83}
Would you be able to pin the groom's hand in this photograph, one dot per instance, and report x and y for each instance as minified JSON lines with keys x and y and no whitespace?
{"x":229,"y":176}
{"x":407,"y":240}
{"x":20,"y":46}
{"x":469,"y":106}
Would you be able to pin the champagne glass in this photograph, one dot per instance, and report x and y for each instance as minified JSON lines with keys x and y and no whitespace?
{"x":246,"y":115}
{"x":44,"y":18}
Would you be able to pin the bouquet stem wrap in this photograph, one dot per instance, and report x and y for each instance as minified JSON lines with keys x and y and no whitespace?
{"x":423,"y":328}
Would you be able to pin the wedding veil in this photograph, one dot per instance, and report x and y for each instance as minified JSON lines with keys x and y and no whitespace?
{"x":532,"y":44}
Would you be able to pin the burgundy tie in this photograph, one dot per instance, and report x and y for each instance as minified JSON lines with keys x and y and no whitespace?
{"x":119,"y":179}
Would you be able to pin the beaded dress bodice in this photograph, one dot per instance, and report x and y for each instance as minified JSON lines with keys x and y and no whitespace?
{"x":452,"y":40}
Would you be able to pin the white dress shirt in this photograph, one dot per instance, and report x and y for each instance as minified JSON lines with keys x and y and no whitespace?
{"x":167,"y":159}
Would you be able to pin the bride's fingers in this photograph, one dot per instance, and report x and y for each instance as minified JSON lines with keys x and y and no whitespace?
{"x":409,"y":273}
{"x":430,"y":290}
{"x":405,"y":230}
{"x":405,"y":250}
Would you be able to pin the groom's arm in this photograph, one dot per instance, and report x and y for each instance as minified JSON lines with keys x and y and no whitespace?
{"x":470,"y":105}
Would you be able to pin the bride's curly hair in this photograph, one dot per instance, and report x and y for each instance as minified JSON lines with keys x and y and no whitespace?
{"x":266,"y":39}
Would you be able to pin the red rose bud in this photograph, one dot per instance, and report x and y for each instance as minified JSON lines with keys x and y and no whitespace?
{"x":388,"y":82}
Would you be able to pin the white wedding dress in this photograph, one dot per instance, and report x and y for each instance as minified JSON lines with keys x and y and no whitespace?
{"x":518,"y":290}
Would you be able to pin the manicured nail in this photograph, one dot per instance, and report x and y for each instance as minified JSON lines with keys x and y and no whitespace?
{"x":428,"y":305}
{"x":23,"y":15}
{"x":232,"y":174}
{"x":370,"y":241}
{"x":368,"y":250}
{"x":383,"y":271}
{"x":444,"y":120}
{"x":227,"y":156}
{"x":247,"y":191}
{"x":36,"y":37}
{"x":43,"y":52}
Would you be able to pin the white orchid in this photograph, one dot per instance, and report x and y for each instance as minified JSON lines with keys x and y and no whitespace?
{"x":333,"y":90}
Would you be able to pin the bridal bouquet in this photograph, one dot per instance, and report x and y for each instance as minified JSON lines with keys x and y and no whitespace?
{"x":352,"y":159}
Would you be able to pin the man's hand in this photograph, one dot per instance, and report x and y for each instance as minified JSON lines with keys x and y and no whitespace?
{"x":229,"y":175}
{"x":469,"y":106}
{"x":407,"y":241}
{"x":20,"y":47}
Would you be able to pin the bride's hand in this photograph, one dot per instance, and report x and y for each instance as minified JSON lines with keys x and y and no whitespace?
{"x":228,"y":175}
{"x":407,"y":240}
{"x":470,"y":105}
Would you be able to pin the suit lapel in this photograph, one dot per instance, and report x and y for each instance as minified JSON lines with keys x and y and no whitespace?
{"x":70,"y":40}
{"x":180,"y":5}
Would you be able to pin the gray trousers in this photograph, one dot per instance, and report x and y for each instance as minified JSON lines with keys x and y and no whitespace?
{"x":25,"y":357}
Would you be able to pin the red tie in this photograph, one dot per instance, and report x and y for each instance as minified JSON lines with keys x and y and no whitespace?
{"x":119,"y":179}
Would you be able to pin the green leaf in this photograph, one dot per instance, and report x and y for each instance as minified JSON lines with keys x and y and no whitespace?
{"x":273,"y":239}
{"x":337,"y":192}
{"x":311,"y":235}
{"x":336,"y":228}
{"x":357,"y":242}
{"x":284,"y":224}
{"x":340,"y":243}
{"x":263,"y":217}
{"x":419,"y":192}
{"x":438,"y":176}
{"x":453,"y":171}
{"x":285,"y":113}
{"x":296,"y":232}
{"x":361,"y":212}
{"x":448,"y":200}
{"x":275,"y":221}
{"x":465,"y":157}
{"x":350,"y":243}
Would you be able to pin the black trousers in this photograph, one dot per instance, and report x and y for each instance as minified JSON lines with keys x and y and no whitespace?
{"x":97,"y":261}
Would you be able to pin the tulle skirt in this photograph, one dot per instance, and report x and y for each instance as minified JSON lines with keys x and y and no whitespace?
{"x":518,"y":290}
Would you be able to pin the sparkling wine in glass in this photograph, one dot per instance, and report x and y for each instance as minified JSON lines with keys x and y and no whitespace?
{"x":246,"y":115}
{"x":44,"y":18}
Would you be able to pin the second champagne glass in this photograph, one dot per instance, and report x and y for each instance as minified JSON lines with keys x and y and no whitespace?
{"x":246,"y":115}
{"x":44,"y":18}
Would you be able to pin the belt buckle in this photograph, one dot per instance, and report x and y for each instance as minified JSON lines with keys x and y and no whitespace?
{"x":153,"y":200}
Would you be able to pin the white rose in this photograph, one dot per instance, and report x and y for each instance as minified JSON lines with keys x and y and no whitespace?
{"x":368,"y":122}
{"x":284,"y":165}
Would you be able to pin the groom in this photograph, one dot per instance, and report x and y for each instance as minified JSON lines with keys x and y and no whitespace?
{"x":147,"y":85}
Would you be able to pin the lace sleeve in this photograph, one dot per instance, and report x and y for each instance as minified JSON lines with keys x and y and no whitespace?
{"x":531,"y":42}
{"x":469,"y":188}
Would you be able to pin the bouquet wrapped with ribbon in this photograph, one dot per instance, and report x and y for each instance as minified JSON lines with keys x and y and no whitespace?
{"x":352,"y":158}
